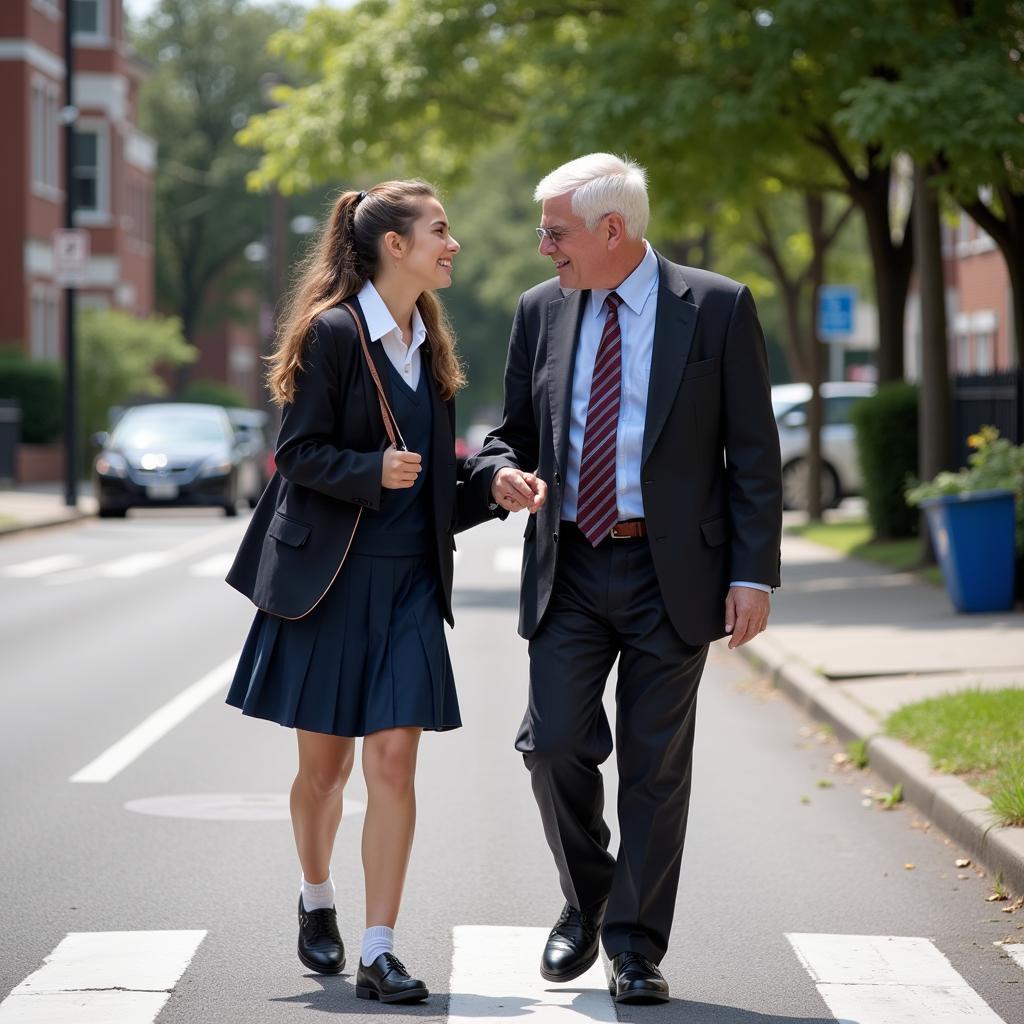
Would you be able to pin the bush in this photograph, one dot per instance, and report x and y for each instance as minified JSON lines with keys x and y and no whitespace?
{"x":37,"y":388}
{"x":119,"y":358}
{"x":887,"y":447}
{"x":214,"y":392}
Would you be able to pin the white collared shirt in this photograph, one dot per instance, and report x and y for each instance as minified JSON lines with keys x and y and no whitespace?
{"x":406,"y":359}
{"x":636,"y":325}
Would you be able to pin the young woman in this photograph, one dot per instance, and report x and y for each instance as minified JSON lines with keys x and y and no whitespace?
{"x":349,"y":554}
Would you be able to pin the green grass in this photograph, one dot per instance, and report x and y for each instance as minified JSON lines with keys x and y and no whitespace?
{"x":853,"y":537}
{"x":8,"y":523}
{"x":977,"y":734}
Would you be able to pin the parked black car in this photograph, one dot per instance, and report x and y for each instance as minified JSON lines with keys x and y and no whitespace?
{"x":174,"y":454}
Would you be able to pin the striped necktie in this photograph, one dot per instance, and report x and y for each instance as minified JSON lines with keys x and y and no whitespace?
{"x":596,"y":508}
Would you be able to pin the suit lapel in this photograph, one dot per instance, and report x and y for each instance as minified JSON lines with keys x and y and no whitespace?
{"x":563,"y":330}
{"x":674,"y":326}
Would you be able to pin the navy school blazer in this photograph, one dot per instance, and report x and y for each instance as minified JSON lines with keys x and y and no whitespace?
{"x":330,"y":453}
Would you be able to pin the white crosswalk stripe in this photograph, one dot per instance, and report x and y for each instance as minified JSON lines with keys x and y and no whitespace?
{"x":495,"y":976}
{"x":889,"y":979}
{"x":41,"y":566}
{"x":216,"y":566}
{"x":103,"y":978}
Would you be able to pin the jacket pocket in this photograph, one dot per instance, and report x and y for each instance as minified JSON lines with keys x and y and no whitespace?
{"x":702,"y":368}
{"x":288,"y":531}
{"x":715,"y":531}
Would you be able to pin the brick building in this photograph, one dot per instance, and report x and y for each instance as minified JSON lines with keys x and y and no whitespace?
{"x":113,"y":167}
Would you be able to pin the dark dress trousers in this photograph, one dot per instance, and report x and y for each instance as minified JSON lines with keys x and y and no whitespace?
{"x":330,"y":455}
{"x":711,"y":487}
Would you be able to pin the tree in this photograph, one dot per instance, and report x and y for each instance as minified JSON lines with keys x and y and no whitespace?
{"x":207,"y":57}
{"x":956,"y":107}
{"x":120,"y":356}
{"x":695,"y":92}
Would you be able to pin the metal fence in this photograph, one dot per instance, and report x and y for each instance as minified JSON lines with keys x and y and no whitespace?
{"x":996,"y":399}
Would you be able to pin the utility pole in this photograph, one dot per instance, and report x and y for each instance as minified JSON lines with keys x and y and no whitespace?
{"x":68,"y":116}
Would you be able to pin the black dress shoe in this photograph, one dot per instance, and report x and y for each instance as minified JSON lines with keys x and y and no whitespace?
{"x":320,"y":945}
{"x":387,"y":979}
{"x":573,"y":944}
{"x":636,"y":980}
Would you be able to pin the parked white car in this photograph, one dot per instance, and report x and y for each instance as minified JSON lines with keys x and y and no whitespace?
{"x":840,"y":466}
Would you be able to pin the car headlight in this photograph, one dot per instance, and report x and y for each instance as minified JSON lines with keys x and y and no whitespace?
{"x":112,"y":464}
{"x":215,"y":467}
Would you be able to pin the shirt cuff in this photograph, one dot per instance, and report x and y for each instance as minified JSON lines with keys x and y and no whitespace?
{"x":753,"y":586}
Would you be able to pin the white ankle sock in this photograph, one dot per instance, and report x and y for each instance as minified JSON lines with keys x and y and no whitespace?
{"x":376,"y":940}
{"x":318,"y":897}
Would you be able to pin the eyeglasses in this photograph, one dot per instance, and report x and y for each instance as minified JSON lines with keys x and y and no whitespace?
{"x":554,"y":235}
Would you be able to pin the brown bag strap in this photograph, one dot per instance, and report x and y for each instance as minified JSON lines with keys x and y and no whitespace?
{"x":390,"y":423}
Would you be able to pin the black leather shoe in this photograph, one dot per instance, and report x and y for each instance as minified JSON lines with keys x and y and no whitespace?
{"x":573,"y":944}
{"x":636,"y":980}
{"x":387,"y":979}
{"x":320,"y":945}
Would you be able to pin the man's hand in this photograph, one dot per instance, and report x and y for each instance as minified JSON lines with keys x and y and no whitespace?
{"x":746,"y":614}
{"x":516,"y":490}
{"x":399,"y":469}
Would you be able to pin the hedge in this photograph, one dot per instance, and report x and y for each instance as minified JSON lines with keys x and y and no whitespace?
{"x":886,"y":427}
{"x":37,"y":388}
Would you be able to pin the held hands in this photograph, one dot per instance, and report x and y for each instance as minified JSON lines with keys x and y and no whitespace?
{"x":516,"y":490}
{"x":746,"y":614}
{"x":400,"y":469}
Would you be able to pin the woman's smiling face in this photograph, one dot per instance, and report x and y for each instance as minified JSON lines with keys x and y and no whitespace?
{"x":431,"y":248}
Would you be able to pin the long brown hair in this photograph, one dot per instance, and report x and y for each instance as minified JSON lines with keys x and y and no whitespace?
{"x":340,"y":263}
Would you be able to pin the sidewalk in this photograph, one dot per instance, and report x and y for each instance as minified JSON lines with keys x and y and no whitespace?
{"x":851,"y":642}
{"x":37,"y":505}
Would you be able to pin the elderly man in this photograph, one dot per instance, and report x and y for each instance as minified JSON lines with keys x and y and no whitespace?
{"x":638,"y":427}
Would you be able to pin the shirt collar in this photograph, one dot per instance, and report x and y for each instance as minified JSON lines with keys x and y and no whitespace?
{"x":381,"y":323}
{"x":635,"y":290}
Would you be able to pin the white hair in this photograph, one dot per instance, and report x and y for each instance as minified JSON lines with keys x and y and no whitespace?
{"x":601,"y":183}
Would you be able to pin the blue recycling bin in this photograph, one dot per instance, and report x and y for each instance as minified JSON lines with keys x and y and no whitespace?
{"x":973,"y":537}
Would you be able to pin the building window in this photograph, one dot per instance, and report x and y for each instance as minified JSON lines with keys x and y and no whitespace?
{"x":963,"y":352}
{"x":983,"y":345}
{"x":86,"y":17}
{"x":86,"y":170}
{"x":45,"y":133}
{"x":45,"y":319}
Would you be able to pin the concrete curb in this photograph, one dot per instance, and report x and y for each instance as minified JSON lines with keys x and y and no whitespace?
{"x":961,"y":812}
{"x":44,"y":524}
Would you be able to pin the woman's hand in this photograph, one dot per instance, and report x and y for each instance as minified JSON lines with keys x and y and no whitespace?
{"x":400,"y":469}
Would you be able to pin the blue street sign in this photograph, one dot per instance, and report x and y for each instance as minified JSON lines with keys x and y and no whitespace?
{"x":837,"y":304}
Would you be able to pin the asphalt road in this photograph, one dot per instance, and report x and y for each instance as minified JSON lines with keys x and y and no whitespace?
{"x":186,"y":847}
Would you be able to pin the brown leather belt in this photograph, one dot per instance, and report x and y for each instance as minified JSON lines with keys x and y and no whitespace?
{"x":629,"y":529}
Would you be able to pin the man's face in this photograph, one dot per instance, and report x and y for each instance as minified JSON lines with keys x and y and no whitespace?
{"x":581,"y":257}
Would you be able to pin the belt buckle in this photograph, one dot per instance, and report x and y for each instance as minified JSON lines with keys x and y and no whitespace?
{"x":618,"y":536}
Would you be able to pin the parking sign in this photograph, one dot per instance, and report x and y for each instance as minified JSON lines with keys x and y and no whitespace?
{"x":837,"y":305}
{"x":70,"y":257}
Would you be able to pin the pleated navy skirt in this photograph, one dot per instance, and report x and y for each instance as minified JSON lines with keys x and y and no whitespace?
{"x":372,"y":655}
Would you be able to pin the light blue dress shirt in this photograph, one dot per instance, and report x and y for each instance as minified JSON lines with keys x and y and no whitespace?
{"x":637,"y":314}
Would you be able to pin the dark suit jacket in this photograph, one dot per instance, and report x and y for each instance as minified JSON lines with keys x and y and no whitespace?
{"x":711,"y":473}
{"x":330,"y":453}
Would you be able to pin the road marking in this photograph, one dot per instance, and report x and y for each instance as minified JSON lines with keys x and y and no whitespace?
{"x":889,"y":979}
{"x":1016,"y":950}
{"x":495,"y":976}
{"x":135,"y":565}
{"x":508,"y":559}
{"x":226,"y":806}
{"x":103,"y":978}
{"x":116,"y":758}
{"x":41,"y":566}
{"x":214,"y":566}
